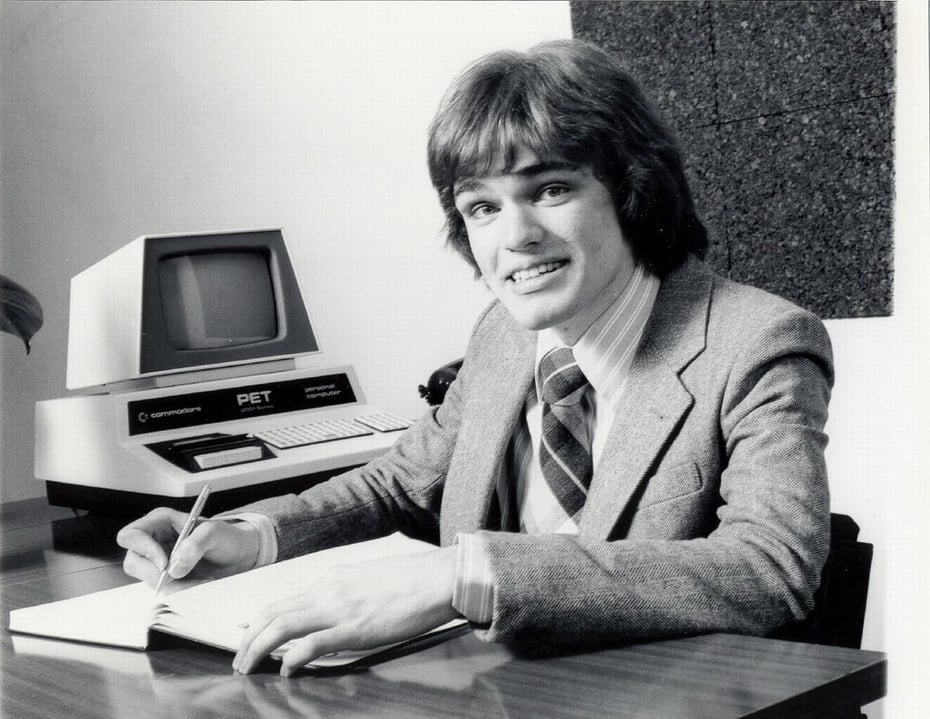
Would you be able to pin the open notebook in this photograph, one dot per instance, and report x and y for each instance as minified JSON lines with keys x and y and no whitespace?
{"x":213,"y":612}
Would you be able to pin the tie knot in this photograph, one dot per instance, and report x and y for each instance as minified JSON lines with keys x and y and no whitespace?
{"x":562,"y":380}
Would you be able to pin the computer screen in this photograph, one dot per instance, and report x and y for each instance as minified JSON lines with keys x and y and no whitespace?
{"x":200,"y":299}
{"x":169,"y":303}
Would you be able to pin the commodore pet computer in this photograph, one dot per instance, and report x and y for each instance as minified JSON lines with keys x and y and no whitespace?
{"x":185,"y":348}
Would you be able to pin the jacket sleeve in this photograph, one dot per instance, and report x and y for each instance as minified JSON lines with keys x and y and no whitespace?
{"x":399,"y":491}
{"x":755,"y":571}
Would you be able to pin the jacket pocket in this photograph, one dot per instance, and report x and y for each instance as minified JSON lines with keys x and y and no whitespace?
{"x":670,"y":484}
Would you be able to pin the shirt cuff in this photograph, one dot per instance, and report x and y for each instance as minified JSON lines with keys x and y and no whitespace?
{"x":473,"y":592}
{"x":267,"y":539}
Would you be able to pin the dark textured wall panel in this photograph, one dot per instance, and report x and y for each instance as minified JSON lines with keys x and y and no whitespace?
{"x":820,"y":238}
{"x":640,"y":32}
{"x":783,"y":56}
{"x":785,"y":112}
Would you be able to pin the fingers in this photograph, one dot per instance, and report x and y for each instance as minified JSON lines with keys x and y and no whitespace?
{"x":161,"y":524}
{"x":188,"y":553}
{"x":299,"y":652}
{"x":149,"y":540}
{"x":143,"y":545}
{"x":145,"y":541}
{"x":310,"y":647}
{"x":277,"y":623}
{"x":135,"y":565}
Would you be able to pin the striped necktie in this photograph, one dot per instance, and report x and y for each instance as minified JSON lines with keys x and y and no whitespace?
{"x":565,"y":450}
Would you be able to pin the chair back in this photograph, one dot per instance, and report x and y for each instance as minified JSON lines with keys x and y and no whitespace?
{"x":839,"y":603}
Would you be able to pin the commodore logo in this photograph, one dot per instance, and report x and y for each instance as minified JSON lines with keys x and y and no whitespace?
{"x":145,"y":416}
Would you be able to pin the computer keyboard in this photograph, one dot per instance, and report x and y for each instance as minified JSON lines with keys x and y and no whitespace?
{"x":328,"y":430}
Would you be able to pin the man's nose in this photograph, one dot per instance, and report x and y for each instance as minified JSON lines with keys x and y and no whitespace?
{"x":522,"y":229}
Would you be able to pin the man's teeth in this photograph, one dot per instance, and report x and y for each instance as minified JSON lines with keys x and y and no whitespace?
{"x":521,"y":275}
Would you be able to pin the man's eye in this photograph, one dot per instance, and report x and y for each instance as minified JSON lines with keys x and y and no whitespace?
{"x":481,"y":209}
{"x":552,"y":192}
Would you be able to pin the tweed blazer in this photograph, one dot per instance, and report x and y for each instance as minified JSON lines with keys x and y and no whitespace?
{"x":709,"y":508}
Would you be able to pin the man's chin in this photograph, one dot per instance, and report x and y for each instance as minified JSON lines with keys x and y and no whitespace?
{"x":534,"y":320}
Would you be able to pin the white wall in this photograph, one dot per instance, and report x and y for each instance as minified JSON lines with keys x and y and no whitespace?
{"x":130,"y":118}
{"x":880,"y":415}
{"x":121,"y":119}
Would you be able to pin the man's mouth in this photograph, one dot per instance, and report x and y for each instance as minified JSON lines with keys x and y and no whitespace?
{"x":531,"y":272}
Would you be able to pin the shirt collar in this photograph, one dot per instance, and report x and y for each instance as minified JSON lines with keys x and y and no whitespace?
{"x":606,"y":349}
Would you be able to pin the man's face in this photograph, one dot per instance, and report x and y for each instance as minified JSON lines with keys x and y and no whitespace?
{"x":547,"y":241}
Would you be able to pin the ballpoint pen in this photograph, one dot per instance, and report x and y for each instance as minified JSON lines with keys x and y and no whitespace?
{"x":185,"y":530}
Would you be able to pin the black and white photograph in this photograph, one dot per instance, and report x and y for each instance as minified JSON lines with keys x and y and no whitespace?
{"x":427,"y":358}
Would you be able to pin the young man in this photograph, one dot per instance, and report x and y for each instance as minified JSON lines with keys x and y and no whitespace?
{"x":633,"y":447}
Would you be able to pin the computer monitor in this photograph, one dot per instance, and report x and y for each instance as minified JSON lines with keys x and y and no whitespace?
{"x":169,"y":304}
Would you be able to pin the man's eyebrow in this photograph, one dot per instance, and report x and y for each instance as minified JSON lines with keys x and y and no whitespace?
{"x":537,"y":168}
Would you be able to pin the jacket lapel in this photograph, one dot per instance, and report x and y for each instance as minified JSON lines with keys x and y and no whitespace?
{"x":655,"y":400}
{"x":491,"y":416}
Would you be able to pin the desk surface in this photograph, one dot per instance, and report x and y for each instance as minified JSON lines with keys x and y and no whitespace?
{"x":48,"y":553}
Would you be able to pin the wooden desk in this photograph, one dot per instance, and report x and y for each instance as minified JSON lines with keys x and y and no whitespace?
{"x":47,"y":553}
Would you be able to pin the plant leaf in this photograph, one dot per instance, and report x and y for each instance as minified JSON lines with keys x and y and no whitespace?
{"x":20,"y":311}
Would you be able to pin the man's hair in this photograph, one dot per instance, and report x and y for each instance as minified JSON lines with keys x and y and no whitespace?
{"x":572,"y":101}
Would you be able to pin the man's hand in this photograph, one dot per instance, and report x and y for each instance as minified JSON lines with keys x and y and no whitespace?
{"x":359,"y":606}
{"x":213,"y":549}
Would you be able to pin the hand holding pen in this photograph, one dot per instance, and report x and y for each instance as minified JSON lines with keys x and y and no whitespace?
{"x":202,"y":550}
{"x":185,"y":531}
